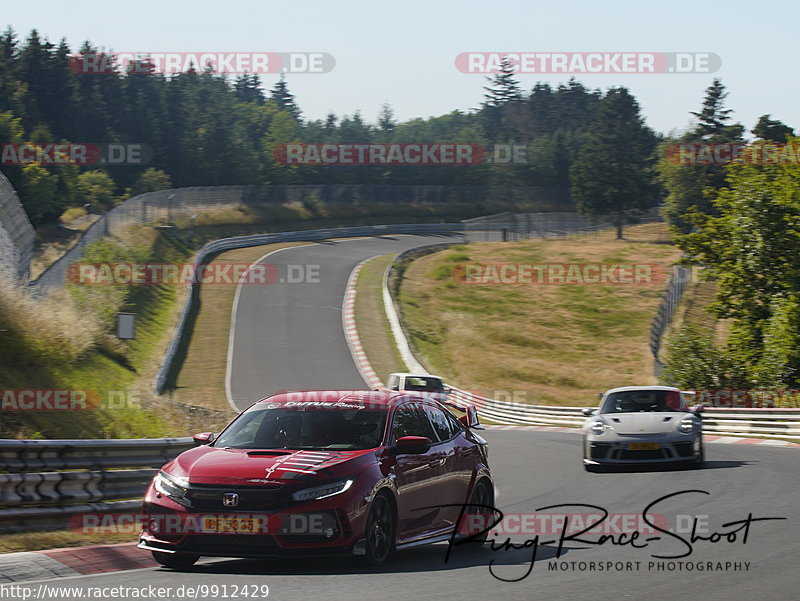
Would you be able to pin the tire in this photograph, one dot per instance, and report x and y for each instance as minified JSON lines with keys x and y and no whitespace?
{"x":175,"y":560}
{"x":482,"y":496}
{"x":701,"y":457}
{"x":380,"y":531}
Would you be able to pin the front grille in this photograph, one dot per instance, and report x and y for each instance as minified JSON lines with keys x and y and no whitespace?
{"x":251,"y":498}
{"x":656,"y":454}
{"x":233,"y":545}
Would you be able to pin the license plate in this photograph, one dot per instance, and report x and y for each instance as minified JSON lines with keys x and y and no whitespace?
{"x":233,"y":525}
{"x":643,"y":446}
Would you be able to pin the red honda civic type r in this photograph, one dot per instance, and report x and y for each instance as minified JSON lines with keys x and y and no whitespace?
{"x":321,"y":472}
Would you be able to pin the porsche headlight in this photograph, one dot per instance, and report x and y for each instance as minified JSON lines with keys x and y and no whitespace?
{"x":322,"y":492}
{"x":686,"y":426}
{"x":598,"y":427}
{"x":172,"y":487}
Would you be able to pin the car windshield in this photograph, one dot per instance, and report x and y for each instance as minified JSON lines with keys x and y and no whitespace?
{"x":633,"y":401}
{"x":424,"y":384}
{"x":305,"y":428}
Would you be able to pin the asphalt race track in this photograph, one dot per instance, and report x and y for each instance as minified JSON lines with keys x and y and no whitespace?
{"x":290,"y":336}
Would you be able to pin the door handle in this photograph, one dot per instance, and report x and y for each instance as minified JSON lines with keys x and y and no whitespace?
{"x":436,"y":463}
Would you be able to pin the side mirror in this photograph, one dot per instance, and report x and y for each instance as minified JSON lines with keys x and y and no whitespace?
{"x":204,"y":438}
{"x":588,"y":411}
{"x":411,"y":445}
{"x":447,"y":389}
{"x":470,"y":419}
{"x":698,"y":409}
{"x":395,"y":388}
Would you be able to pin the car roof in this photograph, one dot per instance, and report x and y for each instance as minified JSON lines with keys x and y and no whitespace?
{"x":641,"y":388}
{"x":385,"y":398}
{"x":412,"y":375}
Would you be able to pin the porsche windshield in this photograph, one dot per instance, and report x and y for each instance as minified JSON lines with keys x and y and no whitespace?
{"x":310,"y":428}
{"x":635,"y":401}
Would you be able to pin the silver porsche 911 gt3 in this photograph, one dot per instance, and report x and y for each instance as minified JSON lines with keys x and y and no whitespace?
{"x":642,"y":425}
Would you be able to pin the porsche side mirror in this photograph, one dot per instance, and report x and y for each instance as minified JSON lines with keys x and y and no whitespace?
{"x":204,"y":438}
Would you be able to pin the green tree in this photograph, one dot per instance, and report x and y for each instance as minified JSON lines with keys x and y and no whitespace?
{"x":690,"y":187}
{"x":772,"y":130}
{"x":611,"y":176}
{"x":39,"y":194}
{"x":97,"y":188}
{"x":281,"y":95}
{"x":752,"y":250}
{"x":151,"y":180}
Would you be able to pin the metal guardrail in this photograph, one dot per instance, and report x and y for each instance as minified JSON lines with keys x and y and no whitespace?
{"x":28,"y":455}
{"x":768,"y":423}
{"x":48,"y":481}
{"x":217,"y":246}
{"x":169,"y":204}
{"x":666,"y":311}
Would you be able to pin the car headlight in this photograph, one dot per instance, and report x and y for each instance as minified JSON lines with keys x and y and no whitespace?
{"x":321,"y":492}
{"x":172,"y":487}
{"x":598,"y":427}
{"x":686,"y":425}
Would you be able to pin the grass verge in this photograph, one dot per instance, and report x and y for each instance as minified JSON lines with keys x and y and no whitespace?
{"x":200,"y":378}
{"x":545,"y":344}
{"x":40,"y":541}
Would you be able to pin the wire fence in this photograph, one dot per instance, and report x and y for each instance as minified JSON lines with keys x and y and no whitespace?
{"x":510,"y":226}
{"x":16,"y":233}
{"x":180,"y":202}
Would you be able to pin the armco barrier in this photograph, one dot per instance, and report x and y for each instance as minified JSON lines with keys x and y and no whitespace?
{"x":217,"y":246}
{"x":51,"y":480}
{"x":767,"y":423}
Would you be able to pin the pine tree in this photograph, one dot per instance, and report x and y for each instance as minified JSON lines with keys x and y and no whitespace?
{"x":281,"y":95}
{"x":713,"y":116}
{"x":772,"y":130}
{"x":611,"y":175}
{"x":502,"y":87}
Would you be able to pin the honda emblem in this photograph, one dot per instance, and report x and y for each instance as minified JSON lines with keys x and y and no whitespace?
{"x":230,"y":499}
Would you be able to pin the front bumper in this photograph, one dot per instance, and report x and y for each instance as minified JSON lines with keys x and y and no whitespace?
{"x":329,"y":526}
{"x":617,"y":452}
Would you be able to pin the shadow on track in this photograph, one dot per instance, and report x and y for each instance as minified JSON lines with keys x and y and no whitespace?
{"x":639,"y":469}
{"x":421,"y":559}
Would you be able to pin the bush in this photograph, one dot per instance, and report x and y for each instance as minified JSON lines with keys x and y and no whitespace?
{"x":48,"y":330}
{"x":72,"y":214}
